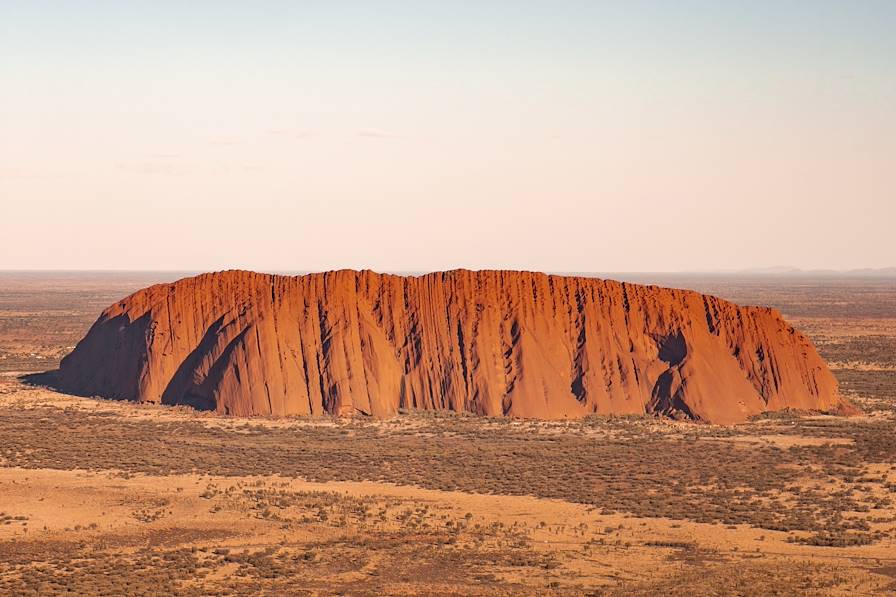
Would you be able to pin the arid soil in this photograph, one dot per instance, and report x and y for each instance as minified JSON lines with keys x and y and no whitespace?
{"x":101,"y":497}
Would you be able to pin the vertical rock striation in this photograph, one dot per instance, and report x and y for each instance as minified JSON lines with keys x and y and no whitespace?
{"x":490,"y":342}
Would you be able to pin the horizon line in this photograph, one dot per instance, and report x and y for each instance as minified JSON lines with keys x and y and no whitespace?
{"x":754,"y":272}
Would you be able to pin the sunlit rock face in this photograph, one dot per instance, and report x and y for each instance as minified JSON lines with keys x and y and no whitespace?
{"x":494,"y":343}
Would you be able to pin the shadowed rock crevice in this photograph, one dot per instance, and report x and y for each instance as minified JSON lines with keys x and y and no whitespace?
{"x":673,"y":349}
{"x":494,"y":343}
{"x":667,"y":397}
{"x":182,"y":388}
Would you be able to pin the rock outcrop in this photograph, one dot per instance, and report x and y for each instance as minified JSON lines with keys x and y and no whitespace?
{"x":490,"y":342}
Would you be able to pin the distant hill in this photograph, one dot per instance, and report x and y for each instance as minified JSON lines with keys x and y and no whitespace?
{"x":884,"y":272}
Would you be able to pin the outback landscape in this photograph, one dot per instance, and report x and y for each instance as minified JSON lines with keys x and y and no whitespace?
{"x":115,"y":497}
{"x":448,"y":298}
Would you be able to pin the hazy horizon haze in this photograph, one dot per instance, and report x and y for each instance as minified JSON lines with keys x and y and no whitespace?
{"x":553,"y":136}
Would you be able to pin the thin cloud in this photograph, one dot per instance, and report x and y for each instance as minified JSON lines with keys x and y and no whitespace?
{"x":294,"y":133}
{"x":378,"y":134}
{"x":23,"y":174}
{"x":161,"y":167}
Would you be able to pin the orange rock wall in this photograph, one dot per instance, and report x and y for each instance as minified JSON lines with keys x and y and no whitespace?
{"x":490,"y":342}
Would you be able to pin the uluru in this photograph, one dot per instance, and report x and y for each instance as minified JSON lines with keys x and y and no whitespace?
{"x":494,"y":343}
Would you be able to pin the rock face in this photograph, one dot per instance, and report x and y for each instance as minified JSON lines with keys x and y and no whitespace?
{"x":490,"y":342}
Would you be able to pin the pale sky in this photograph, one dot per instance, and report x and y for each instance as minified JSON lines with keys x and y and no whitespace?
{"x":555,"y":135}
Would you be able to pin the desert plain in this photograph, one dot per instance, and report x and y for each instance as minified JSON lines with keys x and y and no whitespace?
{"x":99,"y":497}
